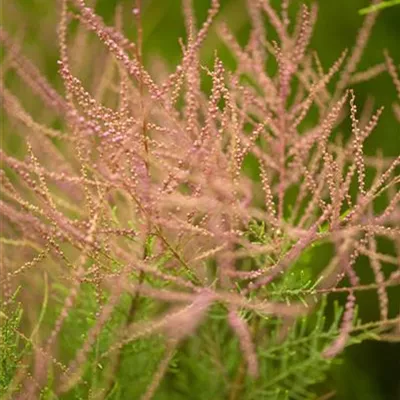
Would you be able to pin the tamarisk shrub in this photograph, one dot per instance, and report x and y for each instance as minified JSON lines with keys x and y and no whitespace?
{"x":166,"y":269}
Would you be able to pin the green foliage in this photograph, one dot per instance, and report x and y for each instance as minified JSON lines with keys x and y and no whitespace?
{"x":290,"y":357}
{"x":10,"y":351}
{"x":294,"y":363}
{"x":138,"y":360}
{"x":291,"y":362}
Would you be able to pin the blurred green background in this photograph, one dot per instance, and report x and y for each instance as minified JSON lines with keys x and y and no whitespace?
{"x":369,"y":371}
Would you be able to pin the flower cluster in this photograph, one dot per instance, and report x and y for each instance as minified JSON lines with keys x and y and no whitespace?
{"x":144,"y":188}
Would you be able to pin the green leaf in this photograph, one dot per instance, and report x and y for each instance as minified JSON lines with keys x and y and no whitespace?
{"x":379,"y":6}
{"x":149,"y":246}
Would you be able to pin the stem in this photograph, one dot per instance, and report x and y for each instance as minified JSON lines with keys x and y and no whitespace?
{"x":237,"y":385}
{"x":131,"y":316}
{"x":139,"y":56}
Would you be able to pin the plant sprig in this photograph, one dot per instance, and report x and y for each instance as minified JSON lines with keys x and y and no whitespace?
{"x":378,"y":7}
